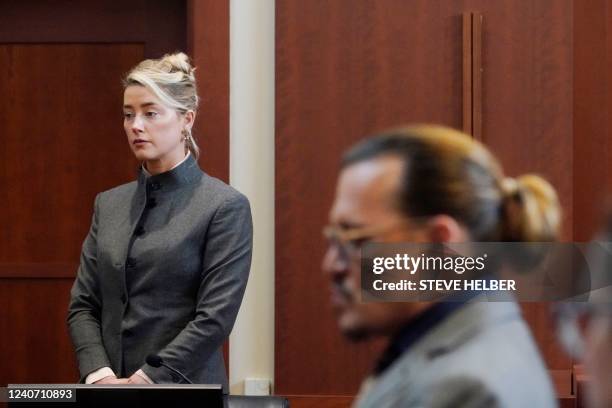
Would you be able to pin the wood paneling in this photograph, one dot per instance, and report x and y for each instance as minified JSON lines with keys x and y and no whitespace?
{"x":47,"y":270}
{"x":592,"y":167}
{"x":472,"y":74}
{"x":34,"y":346}
{"x":318,"y":401}
{"x":63,"y":142}
{"x":208,"y":44}
{"x":345,"y":69}
{"x":158,"y":25}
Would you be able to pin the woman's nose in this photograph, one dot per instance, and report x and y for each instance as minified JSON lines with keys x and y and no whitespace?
{"x":137,"y":124}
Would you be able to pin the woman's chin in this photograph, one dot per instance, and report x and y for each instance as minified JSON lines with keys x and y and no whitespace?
{"x":144,"y":156}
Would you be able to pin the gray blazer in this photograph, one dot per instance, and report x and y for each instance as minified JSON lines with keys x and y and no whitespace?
{"x":162,"y":271}
{"x":482,"y":355}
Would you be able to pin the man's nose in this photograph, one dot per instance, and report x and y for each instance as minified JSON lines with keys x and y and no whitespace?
{"x":333,"y":264}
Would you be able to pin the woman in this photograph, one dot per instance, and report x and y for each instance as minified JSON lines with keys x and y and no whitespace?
{"x":165,"y":263}
{"x":431,"y":184}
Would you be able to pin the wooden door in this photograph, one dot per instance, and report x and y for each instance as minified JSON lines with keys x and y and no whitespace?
{"x":346,"y":69}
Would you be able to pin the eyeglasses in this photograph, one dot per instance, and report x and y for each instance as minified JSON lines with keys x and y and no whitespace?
{"x":349,"y":241}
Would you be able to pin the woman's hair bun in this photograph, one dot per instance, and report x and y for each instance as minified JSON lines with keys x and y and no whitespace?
{"x":179,"y":62}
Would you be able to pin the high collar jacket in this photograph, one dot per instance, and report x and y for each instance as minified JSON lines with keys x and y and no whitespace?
{"x":163,"y":271}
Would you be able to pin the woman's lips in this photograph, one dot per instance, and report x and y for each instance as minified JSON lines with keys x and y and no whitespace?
{"x":139,"y":142}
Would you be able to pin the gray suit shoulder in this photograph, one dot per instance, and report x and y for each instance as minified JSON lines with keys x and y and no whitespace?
{"x":219,"y":192}
{"x":481,"y":356}
{"x":499,"y":367}
{"x":121,"y":192}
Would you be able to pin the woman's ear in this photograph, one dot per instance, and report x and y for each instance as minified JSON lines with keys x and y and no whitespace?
{"x":189,"y":119}
{"x":443,"y":228}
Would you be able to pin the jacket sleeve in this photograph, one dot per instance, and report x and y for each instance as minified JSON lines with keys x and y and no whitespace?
{"x":85,"y":306}
{"x":226,"y":264}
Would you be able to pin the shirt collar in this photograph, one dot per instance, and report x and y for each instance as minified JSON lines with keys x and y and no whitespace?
{"x":414,"y":330}
{"x":185,"y":172}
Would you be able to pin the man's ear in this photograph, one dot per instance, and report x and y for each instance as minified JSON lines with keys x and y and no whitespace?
{"x":444,"y":228}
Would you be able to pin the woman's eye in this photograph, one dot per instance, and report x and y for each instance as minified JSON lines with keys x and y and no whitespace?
{"x":151,"y":114}
{"x":128,"y":115}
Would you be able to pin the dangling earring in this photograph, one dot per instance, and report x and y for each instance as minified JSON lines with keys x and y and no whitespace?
{"x":187,"y":138}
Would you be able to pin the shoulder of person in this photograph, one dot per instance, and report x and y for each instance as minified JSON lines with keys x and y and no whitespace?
{"x":219,"y":193}
{"x":119,"y":193}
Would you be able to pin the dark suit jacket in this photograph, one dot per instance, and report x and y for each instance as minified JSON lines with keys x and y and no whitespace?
{"x":163,"y":270}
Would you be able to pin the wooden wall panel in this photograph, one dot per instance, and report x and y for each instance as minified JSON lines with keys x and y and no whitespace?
{"x":592,"y":166}
{"x":63,"y":142}
{"x":317,"y":401}
{"x":34,"y":346}
{"x":348,"y":68}
{"x":157,"y":24}
{"x":208,"y":44}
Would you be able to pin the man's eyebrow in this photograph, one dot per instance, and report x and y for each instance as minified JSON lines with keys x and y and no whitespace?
{"x":144,"y":105}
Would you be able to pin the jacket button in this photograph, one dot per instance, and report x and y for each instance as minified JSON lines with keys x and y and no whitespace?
{"x":139,"y":231}
{"x":127,"y":332}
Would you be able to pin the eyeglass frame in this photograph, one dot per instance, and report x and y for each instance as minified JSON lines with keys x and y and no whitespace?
{"x":346,"y":239}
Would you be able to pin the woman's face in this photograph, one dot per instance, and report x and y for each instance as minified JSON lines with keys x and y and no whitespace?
{"x":154,"y":130}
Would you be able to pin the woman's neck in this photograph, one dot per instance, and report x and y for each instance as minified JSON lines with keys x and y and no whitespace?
{"x":159,"y":166}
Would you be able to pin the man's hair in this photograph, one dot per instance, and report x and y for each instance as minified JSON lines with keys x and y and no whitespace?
{"x":448,"y":172}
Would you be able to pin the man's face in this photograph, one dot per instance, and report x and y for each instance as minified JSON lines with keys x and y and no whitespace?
{"x":365,"y":198}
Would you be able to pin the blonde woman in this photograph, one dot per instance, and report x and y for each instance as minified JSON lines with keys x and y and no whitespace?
{"x":165,"y":263}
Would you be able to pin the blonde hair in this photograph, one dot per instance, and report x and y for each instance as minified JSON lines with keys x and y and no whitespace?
{"x":448,"y":172}
{"x":171,"y":78}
